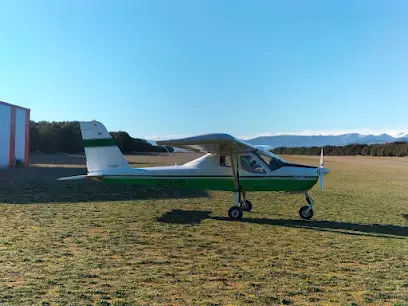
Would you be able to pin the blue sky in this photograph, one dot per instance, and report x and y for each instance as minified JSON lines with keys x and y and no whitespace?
{"x":165,"y":68}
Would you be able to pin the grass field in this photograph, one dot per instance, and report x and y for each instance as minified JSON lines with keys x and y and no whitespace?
{"x":71,"y":243}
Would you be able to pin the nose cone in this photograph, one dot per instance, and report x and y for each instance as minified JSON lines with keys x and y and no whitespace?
{"x":324,"y":171}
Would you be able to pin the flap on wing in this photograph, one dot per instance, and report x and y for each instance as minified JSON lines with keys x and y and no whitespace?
{"x":211,"y":143}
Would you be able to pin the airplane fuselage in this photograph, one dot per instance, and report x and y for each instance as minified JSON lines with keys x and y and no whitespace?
{"x":212,"y":173}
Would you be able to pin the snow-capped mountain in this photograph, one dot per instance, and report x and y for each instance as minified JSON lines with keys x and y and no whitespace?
{"x":402,"y":135}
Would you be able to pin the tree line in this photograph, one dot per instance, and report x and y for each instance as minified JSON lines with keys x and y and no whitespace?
{"x":398,"y":148}
{"x":65,"y":137}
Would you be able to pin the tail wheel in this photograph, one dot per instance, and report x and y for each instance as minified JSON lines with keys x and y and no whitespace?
{"x":246,"y":205}
{"x":306,"y":212}
{"x":235,"y":213}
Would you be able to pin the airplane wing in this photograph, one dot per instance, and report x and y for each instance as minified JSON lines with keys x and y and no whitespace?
{"x":214,"y":143}
{"x":211,"y":143}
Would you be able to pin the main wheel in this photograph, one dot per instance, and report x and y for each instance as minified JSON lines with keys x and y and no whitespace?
{"x":235,"y":213}
{"x":246,"y":205}
{"x":306,"y":212}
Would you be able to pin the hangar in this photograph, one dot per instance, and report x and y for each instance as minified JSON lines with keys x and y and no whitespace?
{"x":14,"y":135}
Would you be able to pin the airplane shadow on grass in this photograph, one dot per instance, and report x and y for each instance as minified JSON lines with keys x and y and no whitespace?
{"x":177,"y":216}
{"x":374,"y":230}
{"x":39,"y":185}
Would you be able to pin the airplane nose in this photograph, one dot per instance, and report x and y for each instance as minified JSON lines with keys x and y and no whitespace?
{"x":324,"y":171}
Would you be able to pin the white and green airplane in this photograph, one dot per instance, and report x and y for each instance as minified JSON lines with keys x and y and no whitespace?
{"x":229,"y":165}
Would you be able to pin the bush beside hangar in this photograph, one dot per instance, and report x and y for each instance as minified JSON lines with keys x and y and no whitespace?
{"x":14,"y":135}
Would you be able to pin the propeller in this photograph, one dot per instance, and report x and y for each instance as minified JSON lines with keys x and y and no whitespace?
{"x":321,"y":171}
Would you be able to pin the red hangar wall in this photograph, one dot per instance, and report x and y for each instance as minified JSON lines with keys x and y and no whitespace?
{"x":14,"y":135}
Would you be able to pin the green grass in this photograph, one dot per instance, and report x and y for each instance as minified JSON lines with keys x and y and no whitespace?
{"x":158,"y":246}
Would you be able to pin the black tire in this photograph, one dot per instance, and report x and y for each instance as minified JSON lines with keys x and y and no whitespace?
{"x":246,"y":205}
{"x":235,"y":213}
{"x":305,"y":214}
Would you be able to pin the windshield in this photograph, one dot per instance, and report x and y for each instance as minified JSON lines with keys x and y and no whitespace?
{"x":278,"y":158}
{"x":273,"y":161}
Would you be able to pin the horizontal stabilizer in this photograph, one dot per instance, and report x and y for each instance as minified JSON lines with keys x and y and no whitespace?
{"x":72,"y":178}
{"x":79,"y":177}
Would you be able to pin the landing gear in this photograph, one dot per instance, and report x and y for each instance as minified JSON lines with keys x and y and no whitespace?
{"x":236,"y":211}
{"x":244,"y":203}
{"x":306,"y":212}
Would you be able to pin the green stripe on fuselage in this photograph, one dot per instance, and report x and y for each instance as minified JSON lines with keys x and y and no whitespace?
{"x":104,"y":142}
{"x":223,"y":184}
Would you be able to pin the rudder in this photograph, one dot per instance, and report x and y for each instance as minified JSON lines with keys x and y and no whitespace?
{"x":101,"y":151}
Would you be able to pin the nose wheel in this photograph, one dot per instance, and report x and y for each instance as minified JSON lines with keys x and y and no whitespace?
{"x":306,"y":212}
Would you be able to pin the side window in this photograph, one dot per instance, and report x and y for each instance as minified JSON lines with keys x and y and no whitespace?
{"x":249,"y":164}
{"x":225,"y":161}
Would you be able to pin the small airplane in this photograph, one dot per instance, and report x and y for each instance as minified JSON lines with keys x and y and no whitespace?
{"x":229,"y":164}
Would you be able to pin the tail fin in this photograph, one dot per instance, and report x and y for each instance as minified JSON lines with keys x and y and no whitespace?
{"x":101,"y":151}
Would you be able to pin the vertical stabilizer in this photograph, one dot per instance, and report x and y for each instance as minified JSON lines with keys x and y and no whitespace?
{"x":101,"y":151}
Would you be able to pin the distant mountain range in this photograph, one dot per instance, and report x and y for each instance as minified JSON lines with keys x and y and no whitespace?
{"x":291,"y":141}
{"x":323,"y":140}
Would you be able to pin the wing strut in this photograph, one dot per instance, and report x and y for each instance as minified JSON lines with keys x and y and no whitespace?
{"x":235,"y":174}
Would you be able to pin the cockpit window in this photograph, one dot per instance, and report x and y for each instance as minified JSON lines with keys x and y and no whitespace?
{"x":249,"y":164}
{"x":273,"y":163}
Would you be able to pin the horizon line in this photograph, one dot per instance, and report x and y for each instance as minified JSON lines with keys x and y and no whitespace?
{"x":363,"y":132}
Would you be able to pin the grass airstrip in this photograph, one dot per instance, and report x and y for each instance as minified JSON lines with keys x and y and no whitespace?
{"x":87,"y":243}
